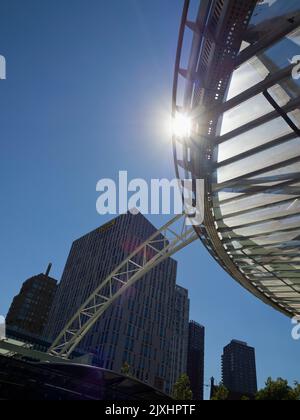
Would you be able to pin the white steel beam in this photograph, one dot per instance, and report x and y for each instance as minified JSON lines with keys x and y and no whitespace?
{"x":168,"y":240}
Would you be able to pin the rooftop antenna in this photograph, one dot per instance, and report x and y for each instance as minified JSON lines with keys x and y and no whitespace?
{"x":48,"y":270}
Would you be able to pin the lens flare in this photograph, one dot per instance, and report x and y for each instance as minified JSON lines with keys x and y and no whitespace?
{"x":182,"y":126}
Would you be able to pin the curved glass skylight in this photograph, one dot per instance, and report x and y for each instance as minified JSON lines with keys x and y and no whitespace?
{"x":244,"y":99}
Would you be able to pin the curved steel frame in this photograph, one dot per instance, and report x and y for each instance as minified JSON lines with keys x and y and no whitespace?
{"x":215,"y":54}
{"x":167,"y":241}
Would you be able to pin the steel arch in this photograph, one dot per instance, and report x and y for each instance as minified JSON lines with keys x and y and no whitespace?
{"x":171,"y":238}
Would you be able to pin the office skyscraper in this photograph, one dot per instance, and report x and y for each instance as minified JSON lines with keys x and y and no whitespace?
{"x":239,"y":368}
{"x":30,"y":309}
{"x":181,"y":325}
{"x":139,"y":327}
{"x":195,"y":362}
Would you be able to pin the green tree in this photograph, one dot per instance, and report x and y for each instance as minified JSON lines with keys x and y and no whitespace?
{"x":126,"y":369}
{"x":182,"y":389}
{"x":296,"y":391}
{"x":279,"y":390}
{"x":221,"y":393}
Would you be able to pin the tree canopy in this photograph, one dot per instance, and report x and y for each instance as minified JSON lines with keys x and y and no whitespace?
{"x":221,"y":393}
{"x":182,"y":389}
{"x":279,"y":390}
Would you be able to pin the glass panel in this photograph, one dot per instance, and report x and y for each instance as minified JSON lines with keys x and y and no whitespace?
{"x":272,"y":283}
{"x":279,"y":93}
{"x":249,"y":74}
{"x":272,"y":226}
{"x":270,"y":61}
{"x":295,"y":117}
{"x":292,"y":295}
{"x":295,"y":36}
{"x":264,"y":214}
{"x":271,"y":10}
{"x":253,"y":138}
{"x":283,"y":289}
{"x":240,"y":115}
{"x":226,"y":196}
{"x":251,"y":202}
{"x":285,"y":90}
{"x":272,"y":156}
{"x":279,"y":55}
{"x":275,"y":238}
{"x":282,"y":174}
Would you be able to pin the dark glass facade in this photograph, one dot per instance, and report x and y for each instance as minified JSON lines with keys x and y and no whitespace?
{"x":195,"y":361}
{"x":138,"y":329}
{"x":29,"y":310}
{"x":180,"y":341}
{"x":239,"y":368}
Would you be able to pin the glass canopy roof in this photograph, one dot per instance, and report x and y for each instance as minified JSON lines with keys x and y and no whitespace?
{"x":242,"y":90}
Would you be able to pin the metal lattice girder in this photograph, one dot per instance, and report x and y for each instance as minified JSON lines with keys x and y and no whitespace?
{"x":243,"y":101}
{"x":170,"y":239}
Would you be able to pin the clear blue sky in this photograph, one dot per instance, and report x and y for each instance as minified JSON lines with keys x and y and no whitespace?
{"x":88,"y":93}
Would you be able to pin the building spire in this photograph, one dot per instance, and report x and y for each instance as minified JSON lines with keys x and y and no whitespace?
{"x":48,"y":270}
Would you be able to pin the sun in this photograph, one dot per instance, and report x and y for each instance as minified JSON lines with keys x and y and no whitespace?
{"x":181,"y":125}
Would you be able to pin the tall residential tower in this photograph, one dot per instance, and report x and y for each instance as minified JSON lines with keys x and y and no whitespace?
{"x":29,"y":311}
{"x":239,"y":368}
{"x":138,"y":329}
{"x":195,"y":362}
{"x":181,"y":332}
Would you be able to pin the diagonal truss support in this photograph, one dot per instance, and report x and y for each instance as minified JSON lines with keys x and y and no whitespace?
{"x":171,"y":238}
